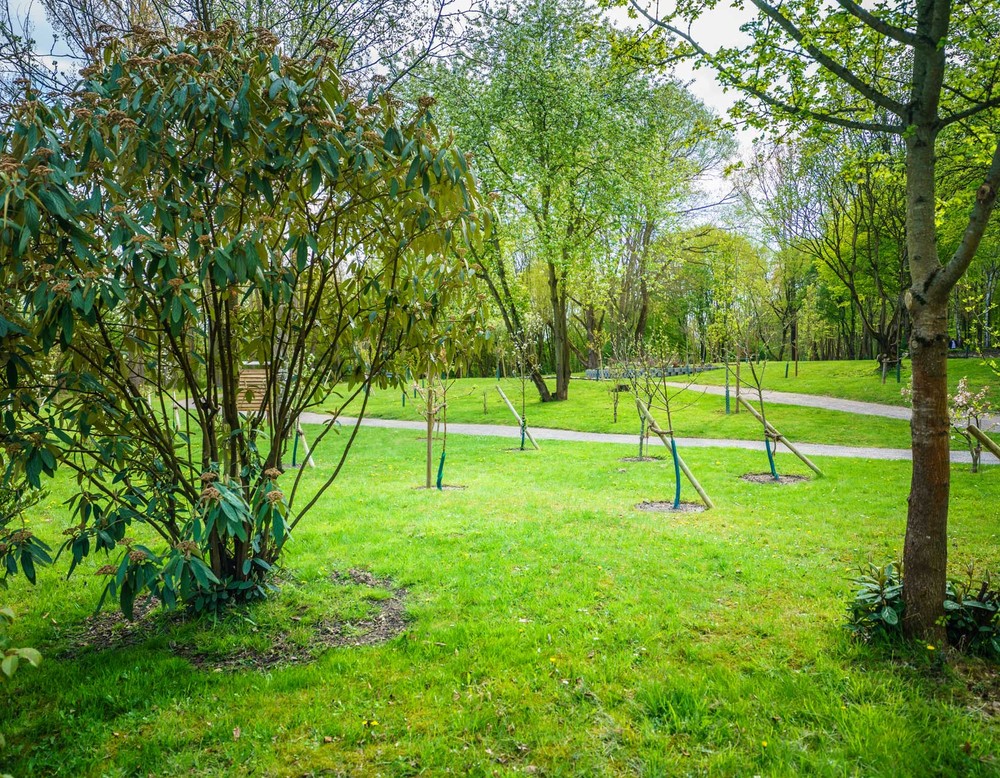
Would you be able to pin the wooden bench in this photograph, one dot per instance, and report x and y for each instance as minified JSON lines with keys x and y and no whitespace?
{"x":252,"y":389}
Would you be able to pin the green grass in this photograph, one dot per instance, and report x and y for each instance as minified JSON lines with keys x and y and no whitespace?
{"x":590,"y":408}
{"x":554,"y":630}
{"x":858,"y":380}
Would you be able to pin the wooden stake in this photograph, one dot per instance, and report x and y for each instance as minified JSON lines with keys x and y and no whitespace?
{"x":778,"y":436}
{"x":988,"y":443}
{"x":305,"y":446}
{"x":520,"y":422}
{"x":683,"y":465}
{"x":430,"y":431}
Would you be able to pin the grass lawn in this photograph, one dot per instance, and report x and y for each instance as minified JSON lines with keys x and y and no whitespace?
{"x":552,"y":630}
{"x":590,"y":408}
{"x":860,"y":379}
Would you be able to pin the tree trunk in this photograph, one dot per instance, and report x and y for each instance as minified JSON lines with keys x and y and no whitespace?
{"x":512,"y":321}
{"x":592,"y":326}
{"x":560,"y":332}
{"x":643,"y":318}
{"x":925,"y":551}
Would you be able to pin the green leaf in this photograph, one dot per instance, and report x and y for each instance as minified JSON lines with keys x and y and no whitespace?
{"x":9,"y":665}
{"x":31,"y":656}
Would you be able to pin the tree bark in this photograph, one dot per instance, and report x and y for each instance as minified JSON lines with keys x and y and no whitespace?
{"x":925,"y":551}
{"x":560,"y":331}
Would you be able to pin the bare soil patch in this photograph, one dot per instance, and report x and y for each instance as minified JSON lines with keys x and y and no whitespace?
{"x":983,"y":683}
{"x":641,"y":459}
{"x":667,"y":506}
{"x":767,"y":478}
{"x":110,"y":630}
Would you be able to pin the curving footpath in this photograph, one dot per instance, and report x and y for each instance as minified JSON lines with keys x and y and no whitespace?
{"x":821,"y":401}
{"x":544,"y":433}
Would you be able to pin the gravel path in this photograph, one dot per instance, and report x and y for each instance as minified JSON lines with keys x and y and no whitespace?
{"x":540,"y":433}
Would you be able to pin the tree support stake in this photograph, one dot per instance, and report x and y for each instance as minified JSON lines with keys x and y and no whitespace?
{"x":520,"y":421}
{"x":779,"y":437}
{"x":668,"y":440}
{"x":986,"y":440}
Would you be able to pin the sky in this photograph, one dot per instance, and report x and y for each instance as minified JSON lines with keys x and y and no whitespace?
{"x":721,"y":27}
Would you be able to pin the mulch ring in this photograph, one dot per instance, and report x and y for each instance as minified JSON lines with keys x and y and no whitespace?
{"x":641,"y":459}
{"x":667,"y":506}
{"x":110,"y":630}
{"x":767,"y":478}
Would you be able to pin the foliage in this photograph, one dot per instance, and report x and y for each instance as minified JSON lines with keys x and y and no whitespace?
{"x":19,"y":546}
{"x":967,"y":408}
{"x":971,"y":608}
{"x":591,"y":158}
{"x":10,"y":657}
{"x":203,"y":203}
{"x":877,"y":607}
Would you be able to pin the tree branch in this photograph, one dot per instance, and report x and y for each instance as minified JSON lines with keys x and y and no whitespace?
{"x":880,"y":26}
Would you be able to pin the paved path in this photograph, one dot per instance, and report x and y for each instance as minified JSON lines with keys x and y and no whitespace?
{"x":541,"y":433}
{"x":820,"y":401}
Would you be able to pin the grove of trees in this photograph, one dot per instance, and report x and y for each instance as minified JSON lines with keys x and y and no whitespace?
{"x":363,"y":192}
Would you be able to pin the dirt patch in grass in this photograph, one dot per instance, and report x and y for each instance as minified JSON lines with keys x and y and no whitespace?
{"x":444,"y":488}
{"x":767,"y":478}
{"x":388,"y":621}
{"x":983,"y":684}
{"x":641,"y":459}
{"x":667,"y":506}
{"x":110,"y":630}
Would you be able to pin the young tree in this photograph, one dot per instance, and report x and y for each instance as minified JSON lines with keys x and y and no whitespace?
{"x":920,"y":70}
{"x":967,"y":408}
{"x":202,"y":203}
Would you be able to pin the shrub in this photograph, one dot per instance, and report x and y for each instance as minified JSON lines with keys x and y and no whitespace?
{"x":971,"y":608}
{"x":197,"y":205}
{"x":970,"y":612}
{"x":19,"y":548}
{"x":10,"y":657}
{"x":877,"y":607}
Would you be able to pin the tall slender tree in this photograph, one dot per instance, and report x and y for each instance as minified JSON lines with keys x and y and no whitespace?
{"x":921,"y":70}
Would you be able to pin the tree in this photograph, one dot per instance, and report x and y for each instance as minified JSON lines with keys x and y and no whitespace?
{"x":583,"y":151}
{"x":201,"y":204}
{"x":539,"y":96}
{"x":920,"y":70}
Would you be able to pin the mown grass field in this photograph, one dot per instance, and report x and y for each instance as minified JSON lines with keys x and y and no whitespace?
{"x":552,"y":630}
{"x":590,"y":408}
{"x":859,"y":379}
